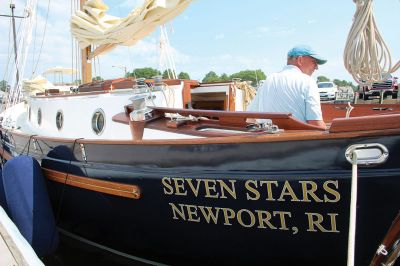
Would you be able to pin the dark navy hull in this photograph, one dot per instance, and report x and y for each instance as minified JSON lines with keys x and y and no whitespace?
{"x":256,"y":203}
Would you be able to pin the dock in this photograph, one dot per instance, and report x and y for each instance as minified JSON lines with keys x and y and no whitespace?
{"x":14,"y":249}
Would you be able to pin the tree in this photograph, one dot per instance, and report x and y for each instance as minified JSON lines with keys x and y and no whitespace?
{"x":322,"y":79}
{"x":3,"y":85}
{"x":344,"y":83}
{"x":146,"y":72}
{"x":224,"y":77}
{"x":183,"y":75}
{"x":252,"y":75}
{"x":167,"y":74}
{"x":97,"y":78}
{"x":211,"y":77}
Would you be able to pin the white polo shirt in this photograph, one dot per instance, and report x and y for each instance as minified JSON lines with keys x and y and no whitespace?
{"x":289,"y":91}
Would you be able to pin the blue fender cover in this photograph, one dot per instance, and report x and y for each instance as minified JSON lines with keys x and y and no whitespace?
{"x":29,"y":204}
{"x":3,"y":202}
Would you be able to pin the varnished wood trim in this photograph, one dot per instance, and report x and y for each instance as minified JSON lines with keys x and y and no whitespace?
{"x":331,"y":111}
{"x":107,"y":187}
{"x":364,"y":123}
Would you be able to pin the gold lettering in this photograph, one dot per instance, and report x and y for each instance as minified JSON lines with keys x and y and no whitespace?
{"x":225,"y":187}
{"x":228,"y":214}
{"x":252,"y":190}
{"x":192,"y":211}
{"x":180,"y":187}
{"x":315,"y":220}
{"x":210,"y":187}
{"x":282,"y":218}
{"x":288,"y":191}
{"x":333,"y":222}
{"x":309,"y":191}
{"x":251,"y":215}
{"x":332,"y":191}
{"x":312,"y":222}
{"x":194,"y":189}
{"x":175,"y":211}
{"x":269,"y":183}
{"x":168,"y":190}
{"x":264,"y":217}
{"x":209,"y":214}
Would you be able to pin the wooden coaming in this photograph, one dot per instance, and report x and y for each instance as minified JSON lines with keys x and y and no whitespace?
{"x":331,"y":111}
{"x":363,"y":123}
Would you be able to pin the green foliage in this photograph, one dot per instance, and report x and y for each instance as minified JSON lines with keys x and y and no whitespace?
{"x":225,"y":77}
{"x":246,"y":75}
{"x":344,"y":83}
{"x":97,"y":78}
{"x":146,"y":72}
{"x":211,"y":77}
{"x":167,"y":74}
{"x":250,"y":75}
{"x":183,"y":75}
{"x":3,"y":85}
{"x":322,"y":79}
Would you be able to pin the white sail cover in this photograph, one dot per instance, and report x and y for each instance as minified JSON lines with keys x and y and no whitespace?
{"x":36,"y":85}
{"x":93,"y":27}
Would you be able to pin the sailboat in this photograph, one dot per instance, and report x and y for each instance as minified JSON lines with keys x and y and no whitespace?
{"x":134,"y":171}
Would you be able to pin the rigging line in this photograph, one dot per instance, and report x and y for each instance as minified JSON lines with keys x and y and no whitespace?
{"x":13,"y":84}
{"x":98,"y":65}
{"x":44,"y":34}
{"x":65,"y":183}
{"x":8,"y":52}
{"x":59,"y":207}
{"x":28,"y":144}
{"x":34,"y":40}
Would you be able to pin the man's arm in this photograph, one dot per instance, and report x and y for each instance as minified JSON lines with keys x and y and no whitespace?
{"x":319,"y":123}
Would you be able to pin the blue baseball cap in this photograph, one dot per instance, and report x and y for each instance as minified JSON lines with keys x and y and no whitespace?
{"x":305,"y":50}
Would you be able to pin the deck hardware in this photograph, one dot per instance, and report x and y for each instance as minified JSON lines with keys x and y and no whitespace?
{"x":83,"y":152}
{"x":34,"y":142}
{"x":349,"y":108}
{"x":381,"y":250}
{"x":368,"y":154}
{"x":265,"y":126}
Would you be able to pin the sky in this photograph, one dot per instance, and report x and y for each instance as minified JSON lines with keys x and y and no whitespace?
{"x":224,"y":36}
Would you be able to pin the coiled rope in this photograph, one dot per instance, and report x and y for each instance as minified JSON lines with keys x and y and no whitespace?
{"x":366,"y":55}
{"x":249,"y":93}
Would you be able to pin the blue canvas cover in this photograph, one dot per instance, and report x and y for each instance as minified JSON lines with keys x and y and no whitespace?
{"x":3,"y":202}
{"x":29,"y":205}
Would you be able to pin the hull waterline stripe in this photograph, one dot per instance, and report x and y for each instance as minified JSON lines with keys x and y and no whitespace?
{"x":116,"y":252}
{"x":107,"y":187}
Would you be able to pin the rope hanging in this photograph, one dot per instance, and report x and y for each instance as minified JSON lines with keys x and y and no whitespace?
{"x":366,"y":55}
{"x":248,"y":93}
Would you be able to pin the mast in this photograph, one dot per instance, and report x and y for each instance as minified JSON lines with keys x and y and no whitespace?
{"x":12,"y":6}
{"x":86,"y":62}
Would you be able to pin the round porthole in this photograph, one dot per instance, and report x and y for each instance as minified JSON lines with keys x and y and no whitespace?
{"x":59,"y":119}
{"x":98,"y":121}
{"x":39,"y":116}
